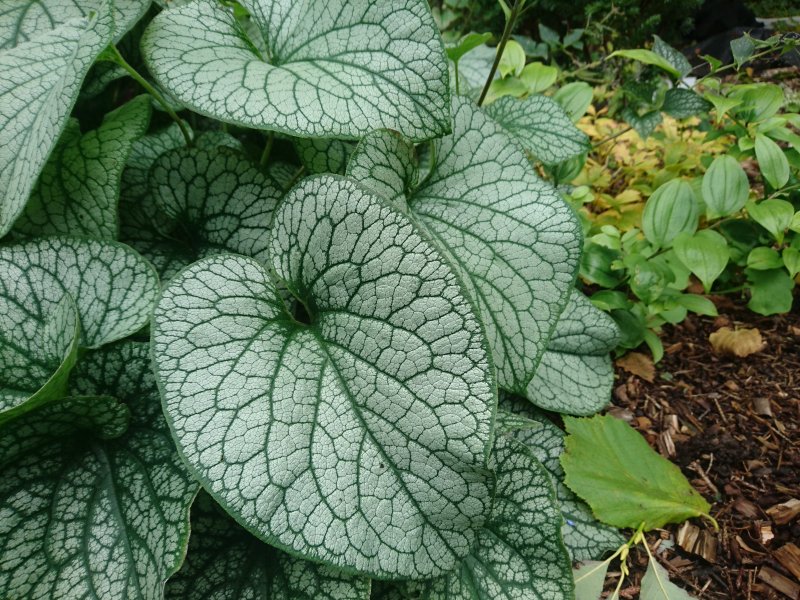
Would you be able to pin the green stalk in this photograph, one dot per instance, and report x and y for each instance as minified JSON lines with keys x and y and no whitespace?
{"x":118,"y":58}
{"x":515,"y":10}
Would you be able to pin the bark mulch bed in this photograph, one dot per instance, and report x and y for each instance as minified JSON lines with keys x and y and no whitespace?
{"x":733,"y":426}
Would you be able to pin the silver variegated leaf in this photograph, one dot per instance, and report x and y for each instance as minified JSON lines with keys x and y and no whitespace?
{"x":359,"y":439}
{"x":332,"y":68}
{"x":225,"y":562}
{"x":320,"y":155}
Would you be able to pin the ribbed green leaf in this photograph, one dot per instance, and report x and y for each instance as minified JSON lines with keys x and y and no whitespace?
{"x":114,"y":289}
{"x":725,"y":187}
{"x":575,"y":374}
{"x":585,"y":537}
{"x":671,"y":210}
{"x":39,"y":83}
{"x":225,"y":562}
{"x":92,"y":510}
{"x":23,"y":20}
{"x":78,"y":190}
{"x":360,"y":439}
{"x":509,"y":235}
{"x":332,"y":68}
{"x":519,"y":552}
{"x":37,"y":353}
{"x":541,"y":125}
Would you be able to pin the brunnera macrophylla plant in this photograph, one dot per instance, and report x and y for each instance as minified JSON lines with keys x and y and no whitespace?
{"x":346,"y":344}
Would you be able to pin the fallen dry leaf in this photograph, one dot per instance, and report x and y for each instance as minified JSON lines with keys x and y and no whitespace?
{"x":638,"y":364}
{"x":737,"y":342}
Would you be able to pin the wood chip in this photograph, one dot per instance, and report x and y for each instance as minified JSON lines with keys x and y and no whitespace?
{"x":638,"y":364}
{"x":784,"y":512}
{"x":695,"y":540}
{"x":777,"y":581}
{"x":763,"y":531}
{"x":666,"y":446}
{"x":746,"y":508}
{"x":789,"y":557}
{"x":762,"y":406}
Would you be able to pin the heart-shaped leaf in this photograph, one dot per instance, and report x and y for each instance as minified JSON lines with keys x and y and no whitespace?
{"x":39,"y":83}
{"x":226,"y":561}
{"x":78,"y":190}
{"x":332,"y":68}
{"x":541,"y":125}
{"x":93,"y":506}
{"x":575,"y":374}
{"x":113,"y":287}
{"x":359,"y":439}
{"x":509,"y":235}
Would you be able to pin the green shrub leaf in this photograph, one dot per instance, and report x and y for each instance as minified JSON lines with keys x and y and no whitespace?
{"x":575,"y":374}
{"x":671,"y":210}
{"x":681,"y":103}
{"x":772,"y":161}
{"x":674,"y":57}
{"x":39,"y":83}
{"x":611,"y":466}
{"x":332,"y":68}
{"x":725,"y":187}
{"x":37,"y":352}
{"x":648,"y":57}
{"x":509,"y":235}
{"x":315,"y":436}
{"x":541,"y":125}
{"x":113,"y":287}
{"x":705,"y":254}
{"x":94,"y":506}
{"x":78,"y":190}
{"x":770,"y":291}
{"x":585,"y":537}
{"x":226,"y":561}
{"x":519,"y":552}
{"x":773,"y":215}
{"x":575,"y":98}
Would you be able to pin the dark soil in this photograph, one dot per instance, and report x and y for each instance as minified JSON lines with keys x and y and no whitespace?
{"x":733,"y":426}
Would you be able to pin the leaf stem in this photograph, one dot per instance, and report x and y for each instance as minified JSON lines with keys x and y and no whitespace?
{"x":267,"y":149}
{"x":612,"y":137}
{"x":118,"y":58}
{"x":515,"y":10}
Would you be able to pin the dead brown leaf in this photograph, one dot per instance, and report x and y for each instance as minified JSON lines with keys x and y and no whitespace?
{"x":638,"y":364}
{"x":736,"y":342}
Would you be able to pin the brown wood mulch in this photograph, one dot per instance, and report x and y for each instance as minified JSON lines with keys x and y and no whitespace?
{"x":733,"y":426}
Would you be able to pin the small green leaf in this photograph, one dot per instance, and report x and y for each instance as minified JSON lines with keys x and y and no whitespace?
{"x":537,"y":77}
{"x":331,"y":68}
{"x":113,"y":287}
{"x":670,"y":211}
{"x":763,"y":258}
{"x":611,"y":466}
{"x":722,"y":104}
{"x":770,"y":291}
{"x":466,"y":44}
{"x":575,"y":374}
{"x":705,"y":254}
{"x":78,"y":190}
{"x":772,"y":161}
{"x":725,"y":187}
{"x":542,"y":127}
{"x":794,"y":224}
{"x":674,"y":57}
{"x":644,"y":124}
{"x":648,"y":57}
{"x":791,"y":259}
{"x":656,"y":584}
{"x":589,"y":579}
{"x":39,"y":83}
{"x":681,"y":103}
{"x":225,"y":561}
{"x":575,"y":98}
{"x":697,"y":304}
{"x":513,"y":59}
{"x":773,"y":215}
{"x":760,"y":101}
{"x":387,"y":377}
{"x":742,"y":49}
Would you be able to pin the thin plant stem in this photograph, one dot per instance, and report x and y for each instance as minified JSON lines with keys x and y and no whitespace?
{"x":267,"y":149}
{"x":612,"y":137}
{"x":515,"y":10}
{"x":118,"y":58}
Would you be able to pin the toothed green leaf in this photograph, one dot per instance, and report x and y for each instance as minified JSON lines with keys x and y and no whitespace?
{"x":114,"y":289}
{"x":541,"y":126}
{"x":39,"y":83}
{"x":92,"y":510}
{"x":359,"y":440}
{"x":204,"y":202}
{"x":37,"y":352}
{"x":518,"y":553}
{"x":509,"y":235}
{"x":333,"y":68}
{"x":225,"y":562}
{"x":585,"y":537}
{"x":78,"y":190}
{"x":575,"y":375}
{"x":23,"y":20}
